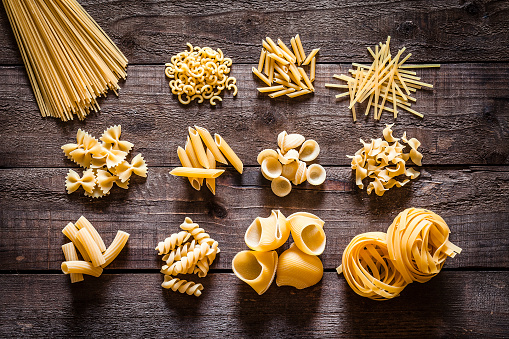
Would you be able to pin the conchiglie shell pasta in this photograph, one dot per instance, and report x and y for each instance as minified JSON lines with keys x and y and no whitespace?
{"x":281,"y":186}
{"x":298,"y":269}
{"x":301,"y":174}
{"x":292,"y":141}
{"x":257,"y":269}
{"x":308,"y":234}
{"x":290,"y":170}
{"x":309,"y":150}
{"x":266,"y":153}
{"x":315,"y":174}
{"x":271,"y":168}
{"x":267,"y":234}
{"x":280,"y":139}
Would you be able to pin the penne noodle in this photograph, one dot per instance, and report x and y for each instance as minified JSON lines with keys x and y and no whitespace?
{"x":83,"y":267}
{"x":287,"y":50}
{"x":192,"y":157}
{"x":271,"y":70}
{"x":71,"y":255}
{"x":261,"y":76}
{"x":229,"y":153}
{"x":267,"y":46}
{"x":211,"y":145}
{"x":287,"y":84}
{"x":115,"y":247}
{"x":280,"y":93}
{"x":84,"y":223}
{"x":262,"y":60}
{"x":211,"y":182}
{"x":312,"y":70}
{"x":299,"y":93}
{"x":281,"y":72}
{"x":279,"y":59}
{"x":71,"y":232}
{"x":306,"y":79}
{"x":310,"y":56}
{"x":275,"y":49}
{"x":91,"y":247}
{"x":185,"y":162}
{"x":296,"y":51}
{"x":270,"y":89}
{"x":196,"y":172}
{"x":198,"y":147}
{"x":267,"y":63}
{"x":301,"y":49}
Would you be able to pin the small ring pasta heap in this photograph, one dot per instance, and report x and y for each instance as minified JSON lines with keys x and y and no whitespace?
{"x":384,"y":163}
{"x":379,"y":265}
{"x":184,"y":257}
{"x":104,"y":162}
{"x":289,"y":165}
{"x":280,"y":65}
{"x":199,"y":160}
{"x":91,"y":246}
{"x":299,"y":266}
{"x":200,"y":73}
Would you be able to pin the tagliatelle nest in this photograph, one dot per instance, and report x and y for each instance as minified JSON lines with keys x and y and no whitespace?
{"x":200,"y":73}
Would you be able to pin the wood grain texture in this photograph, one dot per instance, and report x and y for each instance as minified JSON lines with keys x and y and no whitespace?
{"x":466,"y":118}
{"x":35,"y":208}
{"x":152,"y":31}
{"x":453,"y":304}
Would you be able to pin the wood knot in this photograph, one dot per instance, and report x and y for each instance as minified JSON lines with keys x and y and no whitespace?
{"x":472,"y":8}
{"x":406,"y":27}
{"x":216,"y":210}
{"x":268,"y":118}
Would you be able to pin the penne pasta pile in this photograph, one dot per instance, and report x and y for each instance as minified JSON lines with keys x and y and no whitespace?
{"x":91,"y":246}
{"x":187,"y":257}
{"x":387,"y":80}
{"x":199,"y":161}
{"x":382,"y":162}
{"x":280,"y":68}
{"x":298,"y":266}
{"x":104,"y":163}
{"x":200,"y":73}
{"x":288,"y":165}
{"x":380,"y":265}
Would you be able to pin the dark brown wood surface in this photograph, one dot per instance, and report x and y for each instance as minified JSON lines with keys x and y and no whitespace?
{"x":465,"y":177}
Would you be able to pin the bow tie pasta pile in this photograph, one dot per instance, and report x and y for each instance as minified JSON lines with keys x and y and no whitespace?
{"x":383,"y":163}
{"x":289,"y":165}
{"x":187,"y":257}
{"x":104,"y":163}
{"x":380,"y":265}
{"x":298,"y":266}
{"x":89,"y":243}
{"x":200,"y":73}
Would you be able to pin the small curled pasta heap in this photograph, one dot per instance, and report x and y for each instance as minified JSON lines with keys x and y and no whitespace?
{"x":200,"y":73}
{"x":183,"y":257}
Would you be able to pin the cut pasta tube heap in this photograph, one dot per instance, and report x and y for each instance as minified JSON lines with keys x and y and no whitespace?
{"x":199,"y":158}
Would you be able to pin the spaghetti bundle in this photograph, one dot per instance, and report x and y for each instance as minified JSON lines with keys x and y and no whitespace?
{"x":69,"y":59}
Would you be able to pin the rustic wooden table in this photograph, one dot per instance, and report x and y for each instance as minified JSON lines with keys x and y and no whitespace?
{"x":465,"y":177}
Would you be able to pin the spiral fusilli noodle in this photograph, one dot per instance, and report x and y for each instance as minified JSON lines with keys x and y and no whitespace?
{"x":183,"y":286}
{"x":186,"y":263}
{"x":172,"y":242}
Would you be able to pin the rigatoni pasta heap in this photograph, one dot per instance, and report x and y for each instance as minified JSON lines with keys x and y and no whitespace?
{"x":384,"y":162}
{"x":104,"y":162}
{"x":298,"y":266}
{"x":199,"y":156}
{"x":69,"y":59}
{"x":91,"y":246}
{"x":380,"y":265}
{"x":280,"y":68}
{"x":387,"y":79}
{"x":200,"y":73}
{"x":191,"y":251}
{"x":288,"y":165}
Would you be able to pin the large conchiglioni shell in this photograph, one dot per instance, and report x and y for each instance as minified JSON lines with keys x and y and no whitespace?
{"x":309,"y":150}
{"x":308,"y":234}
{"x":301,"y":174}
{"x":271,"y":168}
{"x":281,"y":186}
{"x":266,"y":153}
{"x":267,"y":234}
{"x":257,"y":269}
{"x":292,"y":141}
{"x":296,"y":217}
{"x":298,"y":269}
{"x":316,"y":174}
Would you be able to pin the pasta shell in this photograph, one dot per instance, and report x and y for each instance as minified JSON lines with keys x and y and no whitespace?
{"x":295,"y":217}
{"x":308,"y":234}
{"x":292,"y":141}
{"x":271,"y":168}
{"x":257,"y":269}
{"x":267,"y":234}
{"x":301,"y":174}
{"x":281,"y":186}
{"x":289,"y":170}
{"x":309,"y":150}
{"x":291,"y":155}
{"x":280,"y":139}
{"x":316,"y":174}
{"x":266,"y":153}
{"x":298,"y":269}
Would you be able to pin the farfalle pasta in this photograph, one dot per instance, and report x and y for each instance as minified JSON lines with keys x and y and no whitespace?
{"x":105,"y":163}
{"x":380,"y":265}
{"x":187,"y":257}
{"x":200,"y":73}
{"x":288,"y":165}
{"x":299,"y":266}
{"x":384,"y":162}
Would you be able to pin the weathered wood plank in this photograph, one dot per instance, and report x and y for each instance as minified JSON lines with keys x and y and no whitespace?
{"x":151,"y":31}
{"x":35,"y":207}
{"x":453,"y":304}
{"x":466,"y":118}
